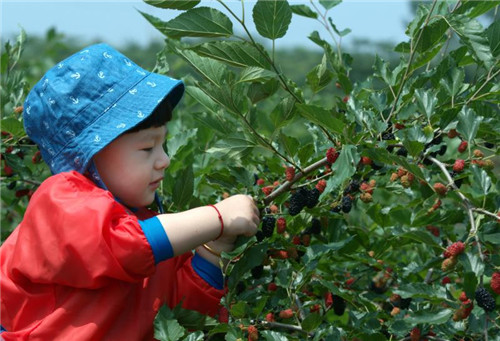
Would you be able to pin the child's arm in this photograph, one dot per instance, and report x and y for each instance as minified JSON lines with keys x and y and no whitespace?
{"x":190,"y":229}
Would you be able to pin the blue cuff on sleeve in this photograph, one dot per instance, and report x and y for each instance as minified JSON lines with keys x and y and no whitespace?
{"x":157,"y":238}
{"x":208,"y":271}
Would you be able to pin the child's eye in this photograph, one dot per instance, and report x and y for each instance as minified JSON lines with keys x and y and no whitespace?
{"x":147,"y":149}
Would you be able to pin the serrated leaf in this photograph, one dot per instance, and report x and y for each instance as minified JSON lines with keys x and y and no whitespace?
{"x":472,"y":263}
{"x":210,"y":69}
{"x":196,"y":22}
{"x":426,"y":102}
{"x":271,"y":18}
{"x":434,"y":317}
{"x":473,"y":36}
{"x":342,"y":33}
{"x":493,"y":36}
{"x":345,"y":166}
{"x":179,"y":140}
{"x":235,"y":53}
{"x":166,"y":327}
{"x":183,"y":187}
{"x":453,"y":81}
{"x":432,"y":34}
{"x":468,"y":123}
{"x":311,"y":322}
{"x":421,"y":290}
{"x":177,"y":4}
{"x":255,"y":74}
{"x":329,"y":4}
{"x":202,"y":98}
{"x":473,"y":8}
{"x":304,"y":11}
{"x":321,"y":117}
{"x":319,"y":77}
{"x":481,"y":179}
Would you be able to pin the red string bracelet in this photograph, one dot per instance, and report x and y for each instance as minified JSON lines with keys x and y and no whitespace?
{"x":221,"y":222}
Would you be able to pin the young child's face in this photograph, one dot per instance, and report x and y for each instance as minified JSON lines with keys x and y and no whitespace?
{"x":132,"y":165}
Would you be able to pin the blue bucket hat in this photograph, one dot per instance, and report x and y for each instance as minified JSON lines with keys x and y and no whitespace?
{"x":88,"y":100}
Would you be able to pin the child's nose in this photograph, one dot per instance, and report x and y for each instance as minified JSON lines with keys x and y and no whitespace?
{"x":163,"y":161}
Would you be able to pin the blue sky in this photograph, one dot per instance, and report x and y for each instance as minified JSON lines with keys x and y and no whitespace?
{"x":118,"y":22}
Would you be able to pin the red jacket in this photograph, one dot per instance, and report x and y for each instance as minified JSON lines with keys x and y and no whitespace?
{"x":79,"y":267}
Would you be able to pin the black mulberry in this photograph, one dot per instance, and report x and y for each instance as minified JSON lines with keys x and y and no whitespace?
{"x":346,"y":204}
{"x":268,"y":224}
{"x":484,"y":299}
{"x":312,"y":197}
{"x":338,"y":305}
{"x":298,"y":201}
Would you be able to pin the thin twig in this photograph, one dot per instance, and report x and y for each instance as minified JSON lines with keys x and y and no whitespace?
{"x":287,"y":184}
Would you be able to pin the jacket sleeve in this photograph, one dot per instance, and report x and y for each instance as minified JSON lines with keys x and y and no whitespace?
{"x":75,"y":234}
{"x":198,"y":284}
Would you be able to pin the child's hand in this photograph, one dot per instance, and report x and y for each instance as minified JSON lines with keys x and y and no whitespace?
{"x":240,"y":216}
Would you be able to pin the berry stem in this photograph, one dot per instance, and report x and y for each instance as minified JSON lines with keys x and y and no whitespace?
{"x":287,"y":184}
{"x":468,"y":206}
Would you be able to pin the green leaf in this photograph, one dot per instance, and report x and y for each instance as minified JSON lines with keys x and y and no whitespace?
{"x":493,"y":35}
{"x":473,"y":36}
{"x":272,"y":17}
{"x":329,"y":4}
{"x":177,"y":4}
{"x":434,"y":317}
{"x":426,"y":102}
{"x":319,"y":77}
{"x":311,"y":322}
{"x":196,"y":22}
{"x":183,"y":188}
{"x":473,"y":8}
{"x":342,"y":33}
{"x":453,"y":81}
{"x":421,"y":290}
{"x":255,"y":74}
{"x":235,"y":53}
{"x":322,"y":117}
{"x":13,"y":126}
{"x":202,"y":98}
{"x":232,"y":146}
{"x":179,"y":140}
{"x":304,"y":11}
{"x":468,"y":123}
{"x":432,"y":34}
{"x":481,"y":179}
{"x":472,"y":263}
{"x":345,"y":166}
{"x":166,"y":326}
{"x":274,"y":336}
{"x":211,"y":70}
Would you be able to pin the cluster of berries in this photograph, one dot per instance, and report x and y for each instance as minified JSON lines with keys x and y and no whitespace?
{"x":345,"y":204}
{"x":465,"y":308}
{"x":303,"y":197}
{"x":406,"y":178}
{"x":366,"y":189}
{"x":450,"y":254}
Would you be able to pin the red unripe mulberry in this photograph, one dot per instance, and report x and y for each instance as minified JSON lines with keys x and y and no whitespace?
{"x":455,"y":249}
{"x":267,"y":190}
{"x":440,"y":189}
{"x":459,"y":165}
{"x":321,"y":185}
{"x":253,"y":333}
{"x":223,"y":315}
{"x":270,"y":317}
{"x":463,"y":146}
{"x":272,"y":286}
{"x":495,"y":283}
{"x":281,"y":225}
{"x":366,"y":160}
{"x":331,"y":155}
{"x":290,"y":173}
{"x":286,"y":314}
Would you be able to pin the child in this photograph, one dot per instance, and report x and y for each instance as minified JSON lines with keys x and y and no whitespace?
{"x":89,"y":261}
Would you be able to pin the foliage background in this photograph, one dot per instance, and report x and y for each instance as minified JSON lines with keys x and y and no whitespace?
{"x":248,"y":115}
